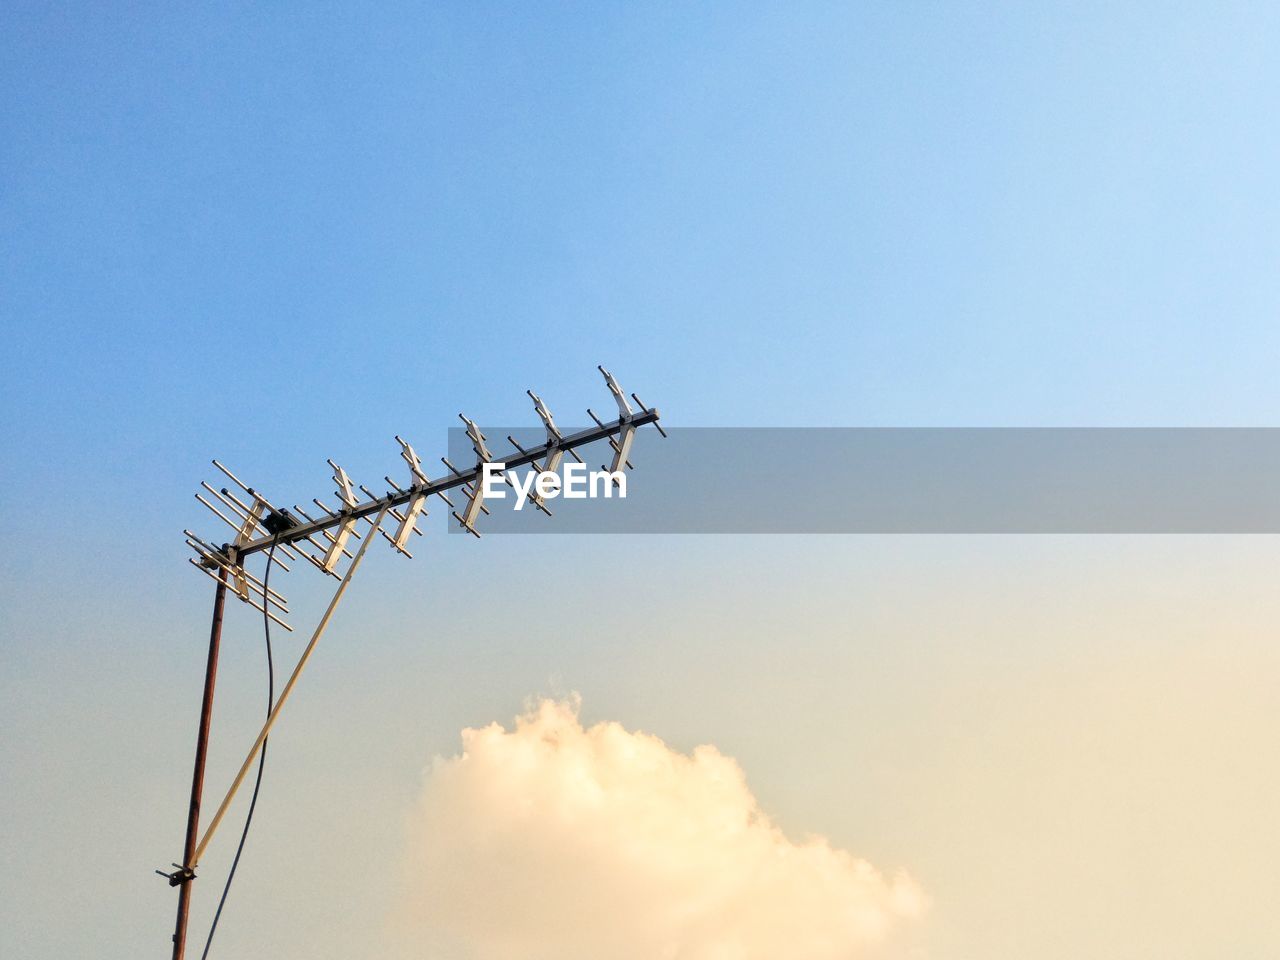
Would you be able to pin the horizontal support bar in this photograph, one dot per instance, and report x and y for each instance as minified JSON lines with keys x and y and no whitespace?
{"x":519,"y":459}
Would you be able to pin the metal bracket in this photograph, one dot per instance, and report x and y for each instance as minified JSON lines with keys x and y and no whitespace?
{"x":179,"y":876}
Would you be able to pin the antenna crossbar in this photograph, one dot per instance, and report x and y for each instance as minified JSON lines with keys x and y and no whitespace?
{"x":397,"y":498}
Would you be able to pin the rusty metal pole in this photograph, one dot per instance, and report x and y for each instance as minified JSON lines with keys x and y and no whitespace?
{"x":183,"y":882}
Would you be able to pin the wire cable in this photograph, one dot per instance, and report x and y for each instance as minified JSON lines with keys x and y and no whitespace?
{"x":262,"y":757}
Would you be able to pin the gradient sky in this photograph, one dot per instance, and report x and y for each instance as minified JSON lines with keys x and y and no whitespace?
{"x":279,"y":235}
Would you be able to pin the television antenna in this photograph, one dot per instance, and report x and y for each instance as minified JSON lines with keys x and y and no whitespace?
{"x":323,"y":539}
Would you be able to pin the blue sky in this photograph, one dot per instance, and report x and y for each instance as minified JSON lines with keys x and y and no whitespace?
{"x":277,"y":235}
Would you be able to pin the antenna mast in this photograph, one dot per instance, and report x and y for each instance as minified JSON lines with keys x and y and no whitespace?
{"x":323,"y":540}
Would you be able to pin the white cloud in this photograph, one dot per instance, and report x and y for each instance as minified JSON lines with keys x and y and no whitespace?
{"x":558,"y":841}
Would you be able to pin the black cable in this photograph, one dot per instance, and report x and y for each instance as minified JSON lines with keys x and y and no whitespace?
{"x":262,"y":757}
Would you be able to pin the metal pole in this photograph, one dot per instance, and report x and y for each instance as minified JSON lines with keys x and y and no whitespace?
{"x":197,"y":775}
